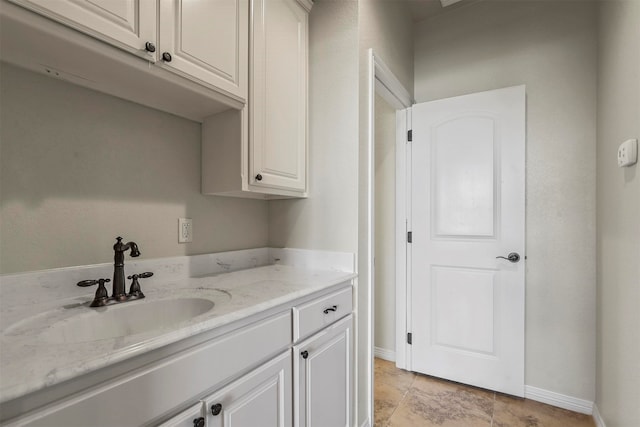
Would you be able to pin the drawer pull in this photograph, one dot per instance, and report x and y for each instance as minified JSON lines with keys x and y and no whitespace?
{"x":215,"y":409}
{"x":304,"y":354}
{"x":327,"y":310}
{"x":198,"y":422}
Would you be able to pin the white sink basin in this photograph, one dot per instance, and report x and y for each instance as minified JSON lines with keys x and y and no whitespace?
{"x":126,"y":319}
{"x":83,"y":324}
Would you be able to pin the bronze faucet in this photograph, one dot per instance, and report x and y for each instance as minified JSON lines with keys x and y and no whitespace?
{"x":119,"y":248}
{"x":118,"y":294}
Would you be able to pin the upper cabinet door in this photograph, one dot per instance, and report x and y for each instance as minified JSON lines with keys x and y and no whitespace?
{"x":278,"y":95}
{"x":127,"y":24}
{"x":207,"y":41}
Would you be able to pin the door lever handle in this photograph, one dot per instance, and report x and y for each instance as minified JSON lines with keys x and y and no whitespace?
{"x":512,"y":257}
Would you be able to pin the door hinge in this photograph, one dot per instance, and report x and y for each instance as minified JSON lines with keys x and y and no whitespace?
{"x":410,"y":135}
{"x":409,"y":338}
{"x":410,"y":237}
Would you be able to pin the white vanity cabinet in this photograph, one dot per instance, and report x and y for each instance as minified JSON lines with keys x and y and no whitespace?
{"x":191,"y":417}
{"x":153,"y":392}
{"x":323,"y":363}
{"x":271,"y":159}
{"x":287,"y":366}
{"x":323,"y":372}
{"x":260,"y":398}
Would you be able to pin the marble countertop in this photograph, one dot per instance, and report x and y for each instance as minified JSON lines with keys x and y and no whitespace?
{"x":30,"y":360}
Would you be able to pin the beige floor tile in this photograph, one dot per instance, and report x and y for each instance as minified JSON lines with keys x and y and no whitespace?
{"x":419,"y":409}
{"x":458,"y":397}
{"x":405,"y":399}
{"x":515,"y":412}
{"x":386,"y":400}
{"x":387,"y":373}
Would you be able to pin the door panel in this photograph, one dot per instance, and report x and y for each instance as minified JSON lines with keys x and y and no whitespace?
{"x":467,"y":208}
{"x":208,"y":41}
{"x":467,"y":296}
{"x":260,"y":398}
{"x":322,"y":375}
{"x":463,"y":177}
{"x":278,"y":105}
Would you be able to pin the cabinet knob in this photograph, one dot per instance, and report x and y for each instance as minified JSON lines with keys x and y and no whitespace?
{"x":215,"y":409}
{"x":258,"y":177}
{"x":149,"y":47}
{"x":198,"y":422}
{"x":304,"y":354}
{"x":166,"y":57}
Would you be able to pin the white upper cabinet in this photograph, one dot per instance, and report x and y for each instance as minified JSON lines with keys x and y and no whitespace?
{"x":208,"y":41}
{"x":271,"y":160}
{"x":204,"y":41}
{"x":278,"y":94}
{"x":127,"y":24}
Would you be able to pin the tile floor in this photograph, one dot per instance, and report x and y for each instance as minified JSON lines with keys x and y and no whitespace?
{"x":405,"y":399}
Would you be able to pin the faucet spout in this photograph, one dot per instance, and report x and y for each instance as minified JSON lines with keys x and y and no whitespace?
{"x":119,"y":249}
{"x":135,"y":252}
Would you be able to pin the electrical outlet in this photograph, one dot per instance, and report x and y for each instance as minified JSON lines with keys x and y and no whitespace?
{"x":185,"y":230}
{"x":628,"y":153}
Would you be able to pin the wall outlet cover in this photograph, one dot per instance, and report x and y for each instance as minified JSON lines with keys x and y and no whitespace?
{"x":628,"y":153}
{"x":185,"y":230}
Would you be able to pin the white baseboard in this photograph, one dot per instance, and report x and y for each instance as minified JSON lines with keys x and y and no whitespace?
{"x":560,"y":400}
{"x":597,"y":418}
{"x":385,"y":354}
{"x":366,"y":423}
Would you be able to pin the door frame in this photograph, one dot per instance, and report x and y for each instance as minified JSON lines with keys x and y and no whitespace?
{"x":381,"y":80}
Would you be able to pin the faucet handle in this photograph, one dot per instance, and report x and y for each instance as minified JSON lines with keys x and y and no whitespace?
{"x":86,"y":283}
{"x":102,"y":297}
{"x":134,"y":290}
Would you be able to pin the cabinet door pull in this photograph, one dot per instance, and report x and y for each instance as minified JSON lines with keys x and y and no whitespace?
{"x":333,"y":308}
{"x":198,"y":422}
{"x":304,"y":354}
{"x":149,"y":47}
{"x":166,"y":57}
{"x":258,"y":177}
{"x":215,"y":409}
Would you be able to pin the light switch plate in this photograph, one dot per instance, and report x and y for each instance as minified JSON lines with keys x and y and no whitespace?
{"x":185,"y":230}
{"x":628,"y":153}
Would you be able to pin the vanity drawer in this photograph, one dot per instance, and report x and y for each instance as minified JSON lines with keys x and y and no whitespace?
{"x":315,"y":315}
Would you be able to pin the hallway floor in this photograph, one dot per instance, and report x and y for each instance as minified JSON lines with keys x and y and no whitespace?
{"x":406,"y":399}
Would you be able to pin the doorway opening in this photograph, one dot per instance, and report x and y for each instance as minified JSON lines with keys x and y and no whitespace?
{"x":392,"y":99}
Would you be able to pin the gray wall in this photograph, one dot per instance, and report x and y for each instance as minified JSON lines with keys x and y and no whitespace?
{"x":79,"y":168}
{"x":550,"y":47}
{"x":618,"y":368}
{"x":327,"y":220}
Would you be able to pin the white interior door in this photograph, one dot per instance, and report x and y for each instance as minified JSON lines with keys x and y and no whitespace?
{"x":467,"y":209}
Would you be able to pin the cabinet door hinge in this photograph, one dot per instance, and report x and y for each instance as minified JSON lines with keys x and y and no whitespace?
{"x":410,"y":237}
{"x":409,"y":338}
{"x":410,"y":135}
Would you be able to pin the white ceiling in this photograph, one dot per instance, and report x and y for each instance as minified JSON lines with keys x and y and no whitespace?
{"x":424,"y":9}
